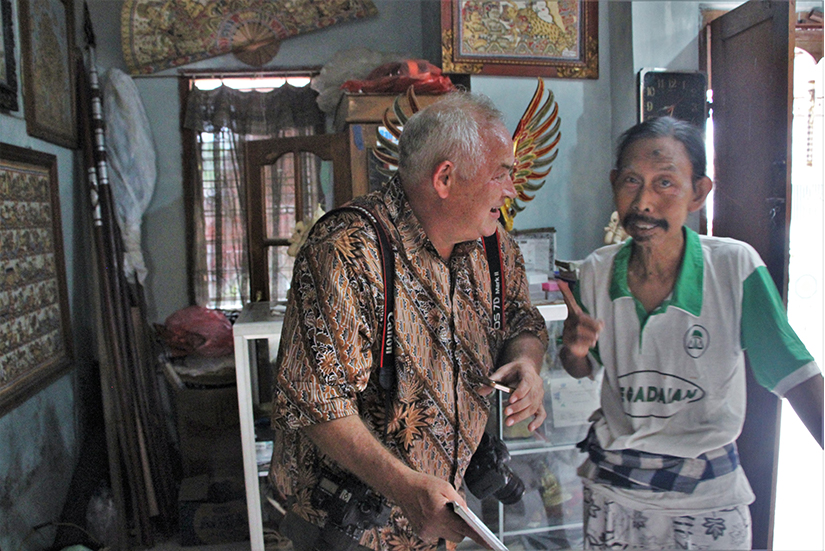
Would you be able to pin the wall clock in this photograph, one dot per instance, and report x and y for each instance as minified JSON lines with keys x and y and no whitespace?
{"x":679,"y":94}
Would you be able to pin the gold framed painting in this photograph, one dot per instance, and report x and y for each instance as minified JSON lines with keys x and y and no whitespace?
{"x":35,"y":338}
{"x":557,"y":39}
{"x":47,"y":56}
{"x":8,"y":70}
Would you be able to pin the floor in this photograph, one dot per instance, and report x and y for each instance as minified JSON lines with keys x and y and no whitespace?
{"x":271,"y":543}
{"x":175,"y":546}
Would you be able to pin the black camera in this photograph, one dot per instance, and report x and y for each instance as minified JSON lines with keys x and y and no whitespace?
{"x":489,"y":472}
{"x":351,"y":508}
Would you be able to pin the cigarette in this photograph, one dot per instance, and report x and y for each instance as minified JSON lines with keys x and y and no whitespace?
{"x":498,"y":386}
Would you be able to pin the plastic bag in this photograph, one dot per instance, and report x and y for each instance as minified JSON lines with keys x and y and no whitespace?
{"x":197,"y":330}
{"x":395,"y":77}
{"x":132,"y":164}
{"x":101,"y":517}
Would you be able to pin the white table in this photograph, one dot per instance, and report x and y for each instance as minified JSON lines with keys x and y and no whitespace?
{"x":255,"y":322}
{"x":258,"y":322}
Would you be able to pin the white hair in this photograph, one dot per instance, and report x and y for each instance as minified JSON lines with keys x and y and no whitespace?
{"x":453,"y":128}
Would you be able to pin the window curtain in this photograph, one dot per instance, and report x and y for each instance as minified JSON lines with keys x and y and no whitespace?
{"x":221,"y":120}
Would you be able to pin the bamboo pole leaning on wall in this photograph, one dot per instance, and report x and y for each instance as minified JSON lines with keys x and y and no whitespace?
{"x":140,"y":464}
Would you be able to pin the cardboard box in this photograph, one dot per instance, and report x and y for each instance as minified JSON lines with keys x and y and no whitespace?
{"x":209,"y":430}
{"x":208,"y":426}
{"x":212,"y":511}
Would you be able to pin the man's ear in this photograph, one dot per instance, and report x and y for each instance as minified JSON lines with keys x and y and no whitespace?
{"x":613,"y":174}
{"x":701,"y":188}
{"x":444,"y":178}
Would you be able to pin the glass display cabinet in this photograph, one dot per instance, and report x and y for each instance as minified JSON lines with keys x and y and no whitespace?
{"x":549,"y":515}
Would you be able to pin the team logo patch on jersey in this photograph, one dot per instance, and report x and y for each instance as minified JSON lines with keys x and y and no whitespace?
{"x":696,"y":341}
{"x":651,"y":393}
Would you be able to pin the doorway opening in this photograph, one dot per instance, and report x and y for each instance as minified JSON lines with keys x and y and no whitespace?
{"x":799,"y":486}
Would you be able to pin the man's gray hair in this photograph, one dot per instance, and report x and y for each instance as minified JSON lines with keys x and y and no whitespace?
{"x":453,"y":128}
{"x":667,"y":127}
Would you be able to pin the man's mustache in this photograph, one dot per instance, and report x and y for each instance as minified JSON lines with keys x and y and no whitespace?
{"x":634,"y":218}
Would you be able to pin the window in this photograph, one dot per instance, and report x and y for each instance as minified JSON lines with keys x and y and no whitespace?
{"x":222,"y":115}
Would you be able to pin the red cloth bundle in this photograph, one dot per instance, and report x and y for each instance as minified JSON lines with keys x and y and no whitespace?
{"x":397,"y":76}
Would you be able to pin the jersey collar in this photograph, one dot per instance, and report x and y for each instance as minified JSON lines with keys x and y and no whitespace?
{"x":687,"y":293}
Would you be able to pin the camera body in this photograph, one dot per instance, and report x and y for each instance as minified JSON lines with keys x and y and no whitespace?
{"x":489,"y":473}
{"x":351,"y":508}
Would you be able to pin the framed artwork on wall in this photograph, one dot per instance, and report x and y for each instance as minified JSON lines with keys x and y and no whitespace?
{"x":35,"y":337}
{"x":521,"y":38}
{"x":8,"y":68}
{"x":47,"y":48}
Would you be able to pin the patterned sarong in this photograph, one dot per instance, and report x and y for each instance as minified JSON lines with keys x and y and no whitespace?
{"x":639,"y":470}
{"x":611,"y":525}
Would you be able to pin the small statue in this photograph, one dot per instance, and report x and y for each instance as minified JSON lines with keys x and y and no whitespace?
{"x":614,"y":232}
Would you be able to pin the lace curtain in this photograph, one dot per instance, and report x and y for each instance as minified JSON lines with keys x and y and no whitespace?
{"x":221,"y":120}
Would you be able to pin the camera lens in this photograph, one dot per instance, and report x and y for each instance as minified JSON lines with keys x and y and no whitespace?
{"x":512,"y":491}
{"x":488,"y":472}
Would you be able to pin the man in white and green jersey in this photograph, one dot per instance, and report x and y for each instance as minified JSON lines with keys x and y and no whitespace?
{"x":667,"y":317}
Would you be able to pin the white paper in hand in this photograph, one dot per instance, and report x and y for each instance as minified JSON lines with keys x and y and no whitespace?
{"x":477,"y":525}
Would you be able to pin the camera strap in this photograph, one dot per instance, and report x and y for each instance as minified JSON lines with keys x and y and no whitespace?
{"x":492,"y":249}
{"x":387,"y":376}
{"x":386,"y":361}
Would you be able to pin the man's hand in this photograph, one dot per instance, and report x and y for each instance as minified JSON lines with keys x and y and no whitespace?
{"x":425,"y":500}
{"x":422,"y":498}
{"x":523,"y":358}
{"x":580,"y":334}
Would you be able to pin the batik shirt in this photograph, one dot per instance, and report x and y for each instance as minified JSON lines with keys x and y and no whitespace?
{"x":674,"y":378}
{"x":445,"y":339}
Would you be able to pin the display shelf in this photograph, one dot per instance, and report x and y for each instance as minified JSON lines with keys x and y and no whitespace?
{"x":549,"y":515}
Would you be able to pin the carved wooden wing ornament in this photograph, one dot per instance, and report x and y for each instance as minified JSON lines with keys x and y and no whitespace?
{"x":535,"y":145}
{"x":535,"y":142}
{"x":387,"y":150}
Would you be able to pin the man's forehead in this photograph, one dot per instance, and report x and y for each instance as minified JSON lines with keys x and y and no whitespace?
{"x":663,"y":152}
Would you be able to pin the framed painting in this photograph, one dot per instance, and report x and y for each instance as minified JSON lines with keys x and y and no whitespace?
{"x":35,"y":338}
{"x":47,"y":46}
{"x":8,"y":70}
{"x":557,"y":39}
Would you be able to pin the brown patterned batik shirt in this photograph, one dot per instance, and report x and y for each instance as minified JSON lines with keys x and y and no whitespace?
{"x":444,"y":341}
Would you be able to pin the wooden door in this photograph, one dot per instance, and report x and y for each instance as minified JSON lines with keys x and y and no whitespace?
{"x":260,"y":158}
{"x":751,"y":74}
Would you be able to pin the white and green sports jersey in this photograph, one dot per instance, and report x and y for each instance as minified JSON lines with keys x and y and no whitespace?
{"x":674,"y":379}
